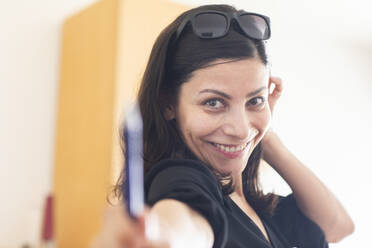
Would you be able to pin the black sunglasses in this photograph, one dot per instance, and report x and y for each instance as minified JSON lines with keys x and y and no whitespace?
{"x":213,"y":24}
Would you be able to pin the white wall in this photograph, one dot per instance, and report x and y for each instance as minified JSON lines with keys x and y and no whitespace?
{"x":323,"y":116}
{"x":29,"y":62}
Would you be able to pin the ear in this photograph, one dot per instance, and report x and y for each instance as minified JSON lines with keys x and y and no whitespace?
{"x":169,"y":113}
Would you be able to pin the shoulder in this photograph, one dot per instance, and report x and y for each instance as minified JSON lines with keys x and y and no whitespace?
{"x":192,"y":183}
{"x":181,"y":175}
{"x":177,"y":167}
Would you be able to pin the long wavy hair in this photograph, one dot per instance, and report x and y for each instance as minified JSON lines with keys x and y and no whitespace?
{"x":170,"y":65}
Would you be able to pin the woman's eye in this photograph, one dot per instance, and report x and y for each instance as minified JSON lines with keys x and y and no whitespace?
{"x":257,"y":101}
{"x":214,"y":103}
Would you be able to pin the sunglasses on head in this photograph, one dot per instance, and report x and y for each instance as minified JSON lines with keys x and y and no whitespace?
{"x":213,"y":24}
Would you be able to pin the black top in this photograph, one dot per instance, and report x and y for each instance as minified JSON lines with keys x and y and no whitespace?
{"x":194,"y":184}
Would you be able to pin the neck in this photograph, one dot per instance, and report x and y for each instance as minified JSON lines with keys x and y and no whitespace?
{"x":238,"y":187}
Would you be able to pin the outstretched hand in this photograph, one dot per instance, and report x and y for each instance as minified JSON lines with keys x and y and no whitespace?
{"x":120,"y":231}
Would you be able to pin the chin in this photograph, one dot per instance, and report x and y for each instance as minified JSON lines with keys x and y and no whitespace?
{"x":230,"y":167}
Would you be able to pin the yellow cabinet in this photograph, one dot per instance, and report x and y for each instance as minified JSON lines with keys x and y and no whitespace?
{"x":104,"y":52}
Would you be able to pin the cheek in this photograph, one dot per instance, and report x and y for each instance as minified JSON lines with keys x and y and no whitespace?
{"x":196,"y":124}
{"x":191,"y":122}
{"x":263,"y":121}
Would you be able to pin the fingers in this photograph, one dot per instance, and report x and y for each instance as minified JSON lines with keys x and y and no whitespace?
{"x":149,"y":244}
{"x":119,"y":230}
{"x":277,"y":84}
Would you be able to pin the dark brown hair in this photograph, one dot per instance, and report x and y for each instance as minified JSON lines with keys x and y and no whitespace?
{"x":172,"y":64}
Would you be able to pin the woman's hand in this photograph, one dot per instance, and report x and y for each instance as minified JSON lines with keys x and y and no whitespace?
{"x":276,"y":93}
{"x":169,"y":223}
{"x":274,"y":96}
{"x":120,"y":231}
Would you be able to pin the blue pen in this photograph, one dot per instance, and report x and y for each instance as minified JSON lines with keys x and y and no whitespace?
{"x":133,"y":142}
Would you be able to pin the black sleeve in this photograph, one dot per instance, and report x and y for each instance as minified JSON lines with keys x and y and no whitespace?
{"x":299,"y":230}
{"x":194,"y":184}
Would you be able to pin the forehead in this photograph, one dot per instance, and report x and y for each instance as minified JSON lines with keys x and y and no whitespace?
{"x":229,"y":74}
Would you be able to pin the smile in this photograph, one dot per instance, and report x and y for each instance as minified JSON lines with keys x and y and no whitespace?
{"x":230,"y":148}
{"x":231,"y":151}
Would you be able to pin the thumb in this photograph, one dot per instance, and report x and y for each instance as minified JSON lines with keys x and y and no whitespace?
{"x":141,"y":224}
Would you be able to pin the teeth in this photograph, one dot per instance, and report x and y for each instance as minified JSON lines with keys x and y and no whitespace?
{"x":230,"y":148}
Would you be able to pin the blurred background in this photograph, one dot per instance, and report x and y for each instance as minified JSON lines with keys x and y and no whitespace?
{"x":67,"y":68}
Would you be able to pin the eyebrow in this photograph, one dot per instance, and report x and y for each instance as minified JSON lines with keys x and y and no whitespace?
{"x":229,"y":97}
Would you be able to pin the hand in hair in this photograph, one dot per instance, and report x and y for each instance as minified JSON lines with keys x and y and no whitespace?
{"x":277,"y":91}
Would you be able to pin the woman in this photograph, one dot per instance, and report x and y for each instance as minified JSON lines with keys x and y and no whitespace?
{"x":207,"y":109}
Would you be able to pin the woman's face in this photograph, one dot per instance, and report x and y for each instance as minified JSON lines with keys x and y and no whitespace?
{"x":223,"y":113}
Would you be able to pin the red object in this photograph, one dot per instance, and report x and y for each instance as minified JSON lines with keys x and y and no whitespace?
{"x":47,"y":232}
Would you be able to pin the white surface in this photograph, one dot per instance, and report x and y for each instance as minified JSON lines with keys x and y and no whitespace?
{"x":29,"y":63}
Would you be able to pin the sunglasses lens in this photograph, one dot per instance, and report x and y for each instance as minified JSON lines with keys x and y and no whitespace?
{"x":210,"y":25}
{"x":255,"y":26}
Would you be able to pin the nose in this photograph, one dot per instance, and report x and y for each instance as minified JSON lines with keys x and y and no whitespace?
{"x":238,"y":124}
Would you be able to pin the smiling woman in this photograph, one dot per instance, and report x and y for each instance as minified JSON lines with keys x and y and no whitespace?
{"x":207,"y":108}
{"x":230,"y":100}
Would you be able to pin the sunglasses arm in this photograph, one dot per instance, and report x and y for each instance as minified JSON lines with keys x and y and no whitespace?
{"x":181,"y":27}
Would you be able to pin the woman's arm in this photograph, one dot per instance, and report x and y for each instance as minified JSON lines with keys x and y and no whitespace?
{"x":312,"y":196}
{"x":180,"y":226}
